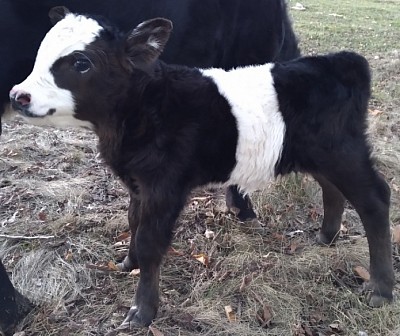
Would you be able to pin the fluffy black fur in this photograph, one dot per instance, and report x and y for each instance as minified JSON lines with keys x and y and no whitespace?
{"x":232,"y":33}
{"x":166,"y":129}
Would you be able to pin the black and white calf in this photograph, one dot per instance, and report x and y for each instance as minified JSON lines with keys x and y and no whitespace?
{"x":208,"y":33}
{"x":166,"y":129}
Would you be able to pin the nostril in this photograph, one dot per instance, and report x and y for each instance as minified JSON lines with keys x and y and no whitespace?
{"x":22,"y":98}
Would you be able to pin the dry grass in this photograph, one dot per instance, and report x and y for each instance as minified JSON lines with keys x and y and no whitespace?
{"x":53,"y":184}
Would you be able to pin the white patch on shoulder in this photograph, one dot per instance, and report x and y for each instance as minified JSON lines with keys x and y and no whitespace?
{"x":250,"y":92}
{"x":73,"y":33}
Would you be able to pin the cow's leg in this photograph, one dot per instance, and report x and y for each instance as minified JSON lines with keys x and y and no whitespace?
{"x":241,"y":206}
{"x":130,"y":262}
{"x":333,"y":210}
{"x":153,"y":237}
{"x":13,"y":305}
{"x":370,"y":196}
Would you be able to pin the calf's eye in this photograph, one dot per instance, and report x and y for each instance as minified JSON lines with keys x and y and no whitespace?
{"x":82,"y":65}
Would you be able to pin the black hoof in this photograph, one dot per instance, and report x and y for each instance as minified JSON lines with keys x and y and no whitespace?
{"x":327,"y":240}
{"x":377,"y":301}
{"x":136,"y":318}
{"x":375,"y":298}
{"x":127,"y":265}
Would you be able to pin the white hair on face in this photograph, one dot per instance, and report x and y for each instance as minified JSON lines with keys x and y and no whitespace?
{"x":73,"y":33}
{"x":253,"y":99}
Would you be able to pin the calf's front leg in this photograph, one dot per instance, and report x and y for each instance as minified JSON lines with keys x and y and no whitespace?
{"x":153,"y":237}
{"x":130,"y":261}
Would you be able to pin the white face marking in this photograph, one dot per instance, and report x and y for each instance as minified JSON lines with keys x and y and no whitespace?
{"x":250,"y":92}
{"x":73,"y":33}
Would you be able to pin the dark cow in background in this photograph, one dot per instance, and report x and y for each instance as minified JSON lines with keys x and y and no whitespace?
{"x":166,"y":129}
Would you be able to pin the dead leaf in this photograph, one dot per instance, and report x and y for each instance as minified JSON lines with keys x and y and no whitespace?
{"x":245,"y":282}
{"x":298,"y":331}
{"x":123,"y":236}
{"x":174,"y":252}
{"x":209,"y":234}
{"x":396,"y":234}
{"x":294,"y":233}
{"x":202,"y":258}
{"x":68,"y":255}
{"x":265,"y":318}
{"x":298,"y":6}
{"x":316,"y":318}
{"x":112,"y":267}
{"x":19,"y":333}
{"x":155,"y":331}
{"x":295,"y":247}
{"x":121,"y":243}
{"x":135,"y":272}
{"x":42,"y":215}
{"x":314,"y":214}
{"x":362,"y":273}
{"x":278,"y":236}
{"x":336,"y":327}
{"x":104,"y":266}
{"x":230,"y":314}
{"x":375,"y":112}
{"x":302,"y":330}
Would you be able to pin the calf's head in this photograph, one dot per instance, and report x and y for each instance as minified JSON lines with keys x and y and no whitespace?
{"x":85,"y":65}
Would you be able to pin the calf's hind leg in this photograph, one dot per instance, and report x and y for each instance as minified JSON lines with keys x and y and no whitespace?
{"x":333,"y":210}
{"x":242,"y":207}
{"x":239,"y":204}
{"x":370,"y":196}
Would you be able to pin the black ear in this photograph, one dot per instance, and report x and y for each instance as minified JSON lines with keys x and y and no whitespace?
{"x":57,"y":14}
{"x":146,"y":42}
